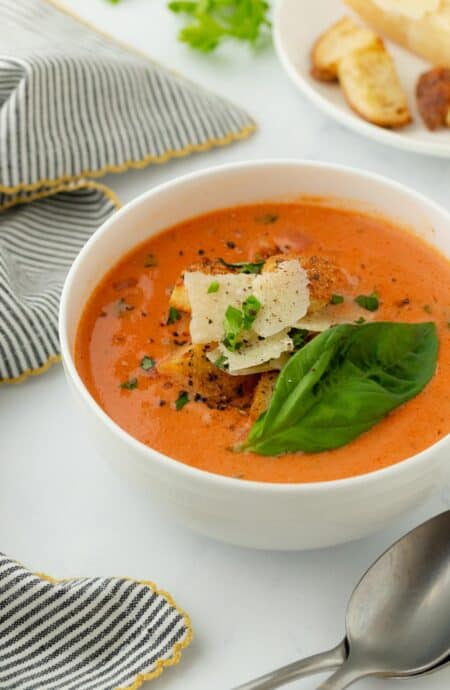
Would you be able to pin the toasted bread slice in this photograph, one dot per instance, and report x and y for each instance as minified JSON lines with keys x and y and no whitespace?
{"x":371,"y":85}
{"x":263,"y":393}
{"x":189,"y":367}
{"x":433,"y":97}
{"x":342,"y":38}
{"x":424,"y":29}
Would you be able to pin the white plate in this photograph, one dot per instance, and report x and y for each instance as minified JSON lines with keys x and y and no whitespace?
{"x":297,"y":24}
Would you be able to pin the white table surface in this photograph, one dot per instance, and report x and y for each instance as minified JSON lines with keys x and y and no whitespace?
{"x":63,"y":511}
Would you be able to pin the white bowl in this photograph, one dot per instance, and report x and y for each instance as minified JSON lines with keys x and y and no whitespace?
{"x":253,"y":514}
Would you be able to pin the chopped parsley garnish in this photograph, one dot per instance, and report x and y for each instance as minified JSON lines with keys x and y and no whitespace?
{"x":244,"y":266}
{"x":368,"y":302}
{"x":232,"y":326}
{"x":267,"y":218}
{"x":221,"y":362}
{"x":213,"y":287}
{"x":174,"y":315}
{"x":150,"y":261}
{"x":250,"y":309}
{"x":147,"y":363}
{"x":129,"y":385}
{"x":298,"y":337}
{"x":181,"y":401}
{"x":336,"y":299}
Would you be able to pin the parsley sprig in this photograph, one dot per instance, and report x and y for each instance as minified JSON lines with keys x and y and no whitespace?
{"x":213,"y":21}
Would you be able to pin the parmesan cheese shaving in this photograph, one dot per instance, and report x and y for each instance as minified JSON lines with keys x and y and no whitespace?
{"x":332,"y":315}
{"x":284,"y":296}
{"x":413,"y":9}
{"x":208,"y":309}
{"x":257,"y":352}
{"x":272,"y":365}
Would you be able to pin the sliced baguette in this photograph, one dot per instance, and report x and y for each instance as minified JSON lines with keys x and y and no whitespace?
{"x":427,"y":35}
{"x":371,"y":85}
{"x":339,"y":40}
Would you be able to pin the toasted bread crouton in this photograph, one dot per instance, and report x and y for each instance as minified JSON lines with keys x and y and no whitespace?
{"x":371,"y":85}
{"x":263,"y":394}
{"x":324,"y":277}
{"x":342,"y":38}
{"x":190,"y":367}
{"x":433,"y":97}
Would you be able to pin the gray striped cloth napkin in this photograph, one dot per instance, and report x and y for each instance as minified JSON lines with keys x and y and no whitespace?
{"x":85,"y":633}
{"x":75,"y":104}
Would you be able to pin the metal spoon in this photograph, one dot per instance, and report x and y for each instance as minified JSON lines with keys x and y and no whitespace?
{"x":398,"y":617}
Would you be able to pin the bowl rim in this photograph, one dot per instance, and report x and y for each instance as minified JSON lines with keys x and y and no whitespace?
{"x":178,"y":466}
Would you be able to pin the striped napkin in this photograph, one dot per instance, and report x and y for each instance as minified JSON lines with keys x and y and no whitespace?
{"x":86,"y":633}
{"x":74,"y":105}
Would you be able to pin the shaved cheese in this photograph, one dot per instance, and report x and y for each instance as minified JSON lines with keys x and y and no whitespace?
{"x":208,"y":309}
{"x":332,"y":315}
{"x":272,"y":365}
{"x":284,"y":296}
{"x":255,"y":353}
{"x":413,"y":9}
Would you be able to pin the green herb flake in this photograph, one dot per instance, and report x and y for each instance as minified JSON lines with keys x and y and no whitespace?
{"x":250,"y":309}
{"x":298,"y":337}
{"x":336,"y":299}
{"x":232,"y":326}
{"x":213,"y":287}
{"x":221,"y":362}
{"x":342,"y":383}
{"x":174,"y":315}
{"x":244,"y":266}
{"x":267,"y":218}
{"x":129,"y":385}
{"x":147,"y":363}
{"x":368,"y":302}
{"x":182,"y":400}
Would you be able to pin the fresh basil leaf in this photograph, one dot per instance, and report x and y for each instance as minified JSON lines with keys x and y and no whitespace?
{"x":244,"y":266}
{"x":342,"y":383}
{"x":250,"y":309}
{"x":369,"y":302}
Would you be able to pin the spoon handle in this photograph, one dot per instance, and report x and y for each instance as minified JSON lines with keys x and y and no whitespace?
{"x":345,"y":676}
{"x":326,"y":661}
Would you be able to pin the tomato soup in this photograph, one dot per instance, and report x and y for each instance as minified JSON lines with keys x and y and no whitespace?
{"x":123,"y":334}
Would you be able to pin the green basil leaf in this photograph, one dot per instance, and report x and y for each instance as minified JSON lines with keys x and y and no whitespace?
{"x":232,"y":327}
{"x":342,"y":383}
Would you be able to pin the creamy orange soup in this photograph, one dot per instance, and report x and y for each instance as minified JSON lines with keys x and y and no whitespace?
{"x":125,"y":320}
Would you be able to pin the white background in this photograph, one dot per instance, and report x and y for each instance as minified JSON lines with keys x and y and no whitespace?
{"x":63,"y":511}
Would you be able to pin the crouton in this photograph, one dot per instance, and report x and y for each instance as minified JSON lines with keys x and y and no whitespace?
{"x":190,"y":367}
{"x":433,"y":97}
{"x":342,"y":38}
{"x":263,"y":394}
{"x":370,"y":83}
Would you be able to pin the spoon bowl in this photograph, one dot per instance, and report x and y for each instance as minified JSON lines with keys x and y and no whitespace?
{"x":398,"y":617}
